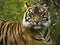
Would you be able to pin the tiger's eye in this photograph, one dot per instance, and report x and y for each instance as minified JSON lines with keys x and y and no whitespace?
{"x":45,"y":18}
{"x":31,"y":14}
{"x":41,"y":14}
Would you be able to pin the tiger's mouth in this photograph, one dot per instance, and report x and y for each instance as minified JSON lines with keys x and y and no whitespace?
{"x":37,"y":27}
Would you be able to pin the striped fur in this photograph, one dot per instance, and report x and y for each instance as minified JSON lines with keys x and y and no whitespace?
{"x":10,"y":34}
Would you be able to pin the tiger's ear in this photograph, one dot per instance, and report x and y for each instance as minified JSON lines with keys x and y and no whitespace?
{"x":45,"y":6}
{"x":26,"y":5}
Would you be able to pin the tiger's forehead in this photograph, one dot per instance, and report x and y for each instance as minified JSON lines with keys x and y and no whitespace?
{"x":37,"y":8}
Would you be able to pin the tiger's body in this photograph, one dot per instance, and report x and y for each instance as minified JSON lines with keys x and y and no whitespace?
{"x":33,"y":29}
{"x":10,"y":33}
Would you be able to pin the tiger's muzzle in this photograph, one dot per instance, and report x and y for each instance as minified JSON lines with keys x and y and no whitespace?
{"x":37,"y":25}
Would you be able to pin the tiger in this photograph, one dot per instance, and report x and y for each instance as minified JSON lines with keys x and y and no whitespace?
{"x":33,"y":29}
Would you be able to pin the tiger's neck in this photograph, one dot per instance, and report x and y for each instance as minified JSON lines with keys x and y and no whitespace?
{"x":30,"y":36}
{"x":27,"y":31}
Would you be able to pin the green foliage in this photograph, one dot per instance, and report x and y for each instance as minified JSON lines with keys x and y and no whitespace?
{"x":56,"y":34}
{"x":12,"y":10}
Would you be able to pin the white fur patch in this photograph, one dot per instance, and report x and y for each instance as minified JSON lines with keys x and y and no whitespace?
{"x":47,"y":23}
{"x":26,"y":23}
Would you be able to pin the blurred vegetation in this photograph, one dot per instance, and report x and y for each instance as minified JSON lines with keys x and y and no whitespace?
{"x":13,"y":11}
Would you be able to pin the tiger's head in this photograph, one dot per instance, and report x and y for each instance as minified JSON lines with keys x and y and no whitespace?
{"x":36,"y":17}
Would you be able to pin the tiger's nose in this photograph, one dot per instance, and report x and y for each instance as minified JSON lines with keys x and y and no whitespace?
{"x":37,"y":22}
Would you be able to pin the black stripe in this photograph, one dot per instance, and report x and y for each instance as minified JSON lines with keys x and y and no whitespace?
{"x":25,"y":17}
{"x":3,"y":28}
{"x":37,"y":39}
{"x":15,"y":39}
{"x":23,"y":39}
{"x":46,"y":32}
{"x":7,"y":27}
{"x":10,"y":29}
{"x":48,"y":40}
{"x":6,"y":34}
{"x":1,"y":43}
{"x":21,"y":34}
{"x":3,"y":22}
{"x":19,"y":29}
{"x":14,"y":28}
{"x":6,"y":39}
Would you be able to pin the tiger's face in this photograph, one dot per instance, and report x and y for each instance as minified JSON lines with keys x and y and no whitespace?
{"x":36,"y":17}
